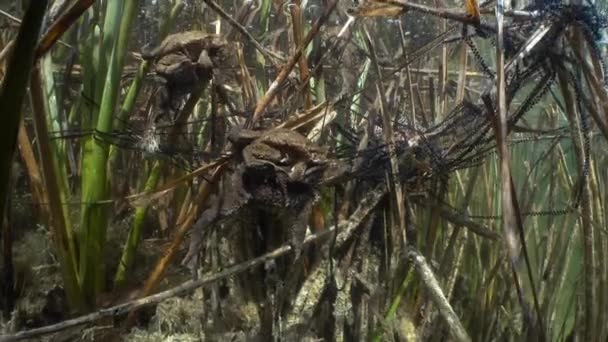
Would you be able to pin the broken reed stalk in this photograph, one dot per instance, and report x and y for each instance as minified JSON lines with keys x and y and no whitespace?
{"x":36,"y":183}
{"x":391,"y":313}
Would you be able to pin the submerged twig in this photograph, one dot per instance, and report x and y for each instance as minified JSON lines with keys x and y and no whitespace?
{"x":11,"y":18}
{"x":437,"y":296}
{"x":457,"y":218}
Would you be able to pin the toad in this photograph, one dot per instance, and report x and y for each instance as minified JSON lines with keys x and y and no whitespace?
{"x":183,"y":60}
{"x":189,"y":43}
{"x":284,"y":149}
{"x":180,"y":75}
{"x":271,"y":178}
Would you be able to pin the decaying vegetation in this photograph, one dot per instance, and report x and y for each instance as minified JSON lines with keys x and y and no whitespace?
{"x":304,"y":170}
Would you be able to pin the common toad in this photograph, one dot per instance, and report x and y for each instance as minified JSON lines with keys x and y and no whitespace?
{"x":177,"y":69}
{"x":285,"y":149}
{"x":268,"y":178}
{"x":183,"y":60}
{"x":189,"y":43}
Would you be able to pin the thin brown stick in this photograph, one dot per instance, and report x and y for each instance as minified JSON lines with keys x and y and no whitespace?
{"x":298,"y":32}
{"x":282,"y":76}
{"x":39,"y":194}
